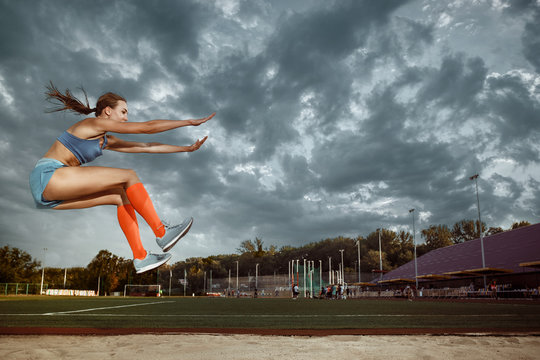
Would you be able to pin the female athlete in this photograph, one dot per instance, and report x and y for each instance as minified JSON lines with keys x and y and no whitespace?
{"x":59,"y":182}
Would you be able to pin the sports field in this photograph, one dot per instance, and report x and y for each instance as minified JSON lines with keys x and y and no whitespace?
{"x":166,"y":314}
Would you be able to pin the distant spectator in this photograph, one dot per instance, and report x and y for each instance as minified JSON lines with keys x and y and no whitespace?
{"x":493,"y":287}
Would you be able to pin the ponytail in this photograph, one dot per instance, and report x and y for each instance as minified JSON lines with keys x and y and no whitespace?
{"x":67,"y":101}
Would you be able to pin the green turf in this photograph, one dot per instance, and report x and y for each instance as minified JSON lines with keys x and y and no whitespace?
{"x":262,"y":313}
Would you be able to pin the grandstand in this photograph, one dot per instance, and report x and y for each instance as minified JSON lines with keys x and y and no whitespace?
{"x":512,"y":259}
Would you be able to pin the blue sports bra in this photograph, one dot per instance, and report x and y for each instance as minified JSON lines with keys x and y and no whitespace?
{"x":83,"y":149}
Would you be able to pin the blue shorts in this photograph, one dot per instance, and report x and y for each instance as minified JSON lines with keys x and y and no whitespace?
{"x":39,"y":178}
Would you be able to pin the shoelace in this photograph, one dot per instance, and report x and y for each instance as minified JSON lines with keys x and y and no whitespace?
{"x":168,"y":225}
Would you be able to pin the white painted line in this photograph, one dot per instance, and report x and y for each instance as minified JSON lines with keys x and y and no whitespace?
{"x":107,"y":307}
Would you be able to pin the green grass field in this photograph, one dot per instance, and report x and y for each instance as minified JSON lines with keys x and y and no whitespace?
{"x":177,"y":312}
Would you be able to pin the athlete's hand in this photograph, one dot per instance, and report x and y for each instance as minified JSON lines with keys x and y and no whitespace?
{"x":198,"y":122}
{"x":197,"y":144}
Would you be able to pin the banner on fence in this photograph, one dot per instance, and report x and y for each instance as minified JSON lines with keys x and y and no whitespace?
{"x":66,"y":292}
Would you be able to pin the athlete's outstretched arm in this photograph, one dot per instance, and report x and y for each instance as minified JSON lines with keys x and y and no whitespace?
{"x":147,"y":127}
{"x":116,"y":144}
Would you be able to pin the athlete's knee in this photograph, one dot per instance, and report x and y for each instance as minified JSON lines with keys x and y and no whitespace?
{"x":131,"y":178}
{"x":123,"y":197}
{"x":118,"y":197}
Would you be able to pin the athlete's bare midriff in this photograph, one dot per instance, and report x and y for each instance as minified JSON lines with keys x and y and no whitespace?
{"x":61,"y":153}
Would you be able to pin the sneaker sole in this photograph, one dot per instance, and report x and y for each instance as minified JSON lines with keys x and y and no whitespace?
{"x":168,"y":246}
{"x":153,"y":266}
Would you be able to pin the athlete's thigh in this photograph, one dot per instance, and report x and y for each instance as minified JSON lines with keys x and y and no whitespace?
{"x":76,"y":182}
{"x":115,"y":197}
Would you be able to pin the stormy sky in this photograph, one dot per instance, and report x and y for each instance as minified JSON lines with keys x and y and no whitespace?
{"x":333,"y":117}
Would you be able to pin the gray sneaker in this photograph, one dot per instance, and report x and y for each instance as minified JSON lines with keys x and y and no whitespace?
{"x":173,"y":234}
{"x":151,"y":261}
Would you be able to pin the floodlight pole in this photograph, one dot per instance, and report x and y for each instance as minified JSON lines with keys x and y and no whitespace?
{"x":320,"y":274}
{"x":475,"y":178}
{"x":170,"y":280}
{"x":342,"y":268}
{"x":256,"y":276}
{"x":237,"y":288}
{"x":359,"y":270}
{"x":305,"y":288}
{"x":380,"y":254}
{"x":414,"y":241}
{"x":43,"y":272}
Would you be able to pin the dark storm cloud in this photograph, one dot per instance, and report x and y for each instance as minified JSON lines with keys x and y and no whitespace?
{"x":529,"y":38}
{"x":513,"y":107}
{"x":531,"y":43}
{"x":306,"y":51}
{"x":456,"y":83}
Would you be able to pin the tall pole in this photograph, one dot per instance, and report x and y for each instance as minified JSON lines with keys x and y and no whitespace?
{"x":229,"y":288}
{"x":297,"y":273}
{"x":43,"y":272}
{"x":185,"y":281}
{"x":342,"y":268}
{"x":359,"y":268}
{"x":170,"y":280}
{"x":329,"y":270}
{"x":237,"y":288}
{"x":289,"y":268}
{"x":256,"y":276}
{"x":475,"y":178}
{"x":320,"y":274}
{"x":380,"y":254}
{"x":311,"y":283}
{"x":414,"y":241}
{"x":305,"y":288}
{"x":65,"y":277}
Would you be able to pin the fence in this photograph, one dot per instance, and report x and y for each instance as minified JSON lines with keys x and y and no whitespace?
{"x":22,"y":288}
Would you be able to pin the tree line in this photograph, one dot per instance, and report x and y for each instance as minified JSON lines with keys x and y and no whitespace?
{"x":113,"y":272}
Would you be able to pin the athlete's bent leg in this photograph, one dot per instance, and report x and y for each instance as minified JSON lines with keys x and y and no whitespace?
{"x":139,"y":198}
{"x":128,"y":222}
{"x":125,"y":214}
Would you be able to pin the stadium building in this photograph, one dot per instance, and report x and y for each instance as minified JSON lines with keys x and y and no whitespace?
{"x":512,"y":260}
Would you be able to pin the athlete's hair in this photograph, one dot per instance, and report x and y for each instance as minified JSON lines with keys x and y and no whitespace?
{"x":68,"y":101}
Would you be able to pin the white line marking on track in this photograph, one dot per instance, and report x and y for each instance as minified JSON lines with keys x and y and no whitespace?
{"x":103,"y":308}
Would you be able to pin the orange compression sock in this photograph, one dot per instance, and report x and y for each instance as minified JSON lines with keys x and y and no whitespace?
{"x":128,"y":222}
{"x":140,"y":200}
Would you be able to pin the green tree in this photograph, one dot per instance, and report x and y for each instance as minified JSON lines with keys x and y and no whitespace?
{"x":401,"y":249}
{"x":437,"y":236}
{"x":466,"y":230}
{"x":494,"y":230}
{"x":255,"y":248}
{"x":372,"y":260}
{"x":246,"y":246}
{"x":110,"y":269}
{"x":520,"y":224}
{"x":17,"y":265}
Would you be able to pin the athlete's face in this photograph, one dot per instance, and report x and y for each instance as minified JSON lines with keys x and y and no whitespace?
{"x":119,"y":112}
